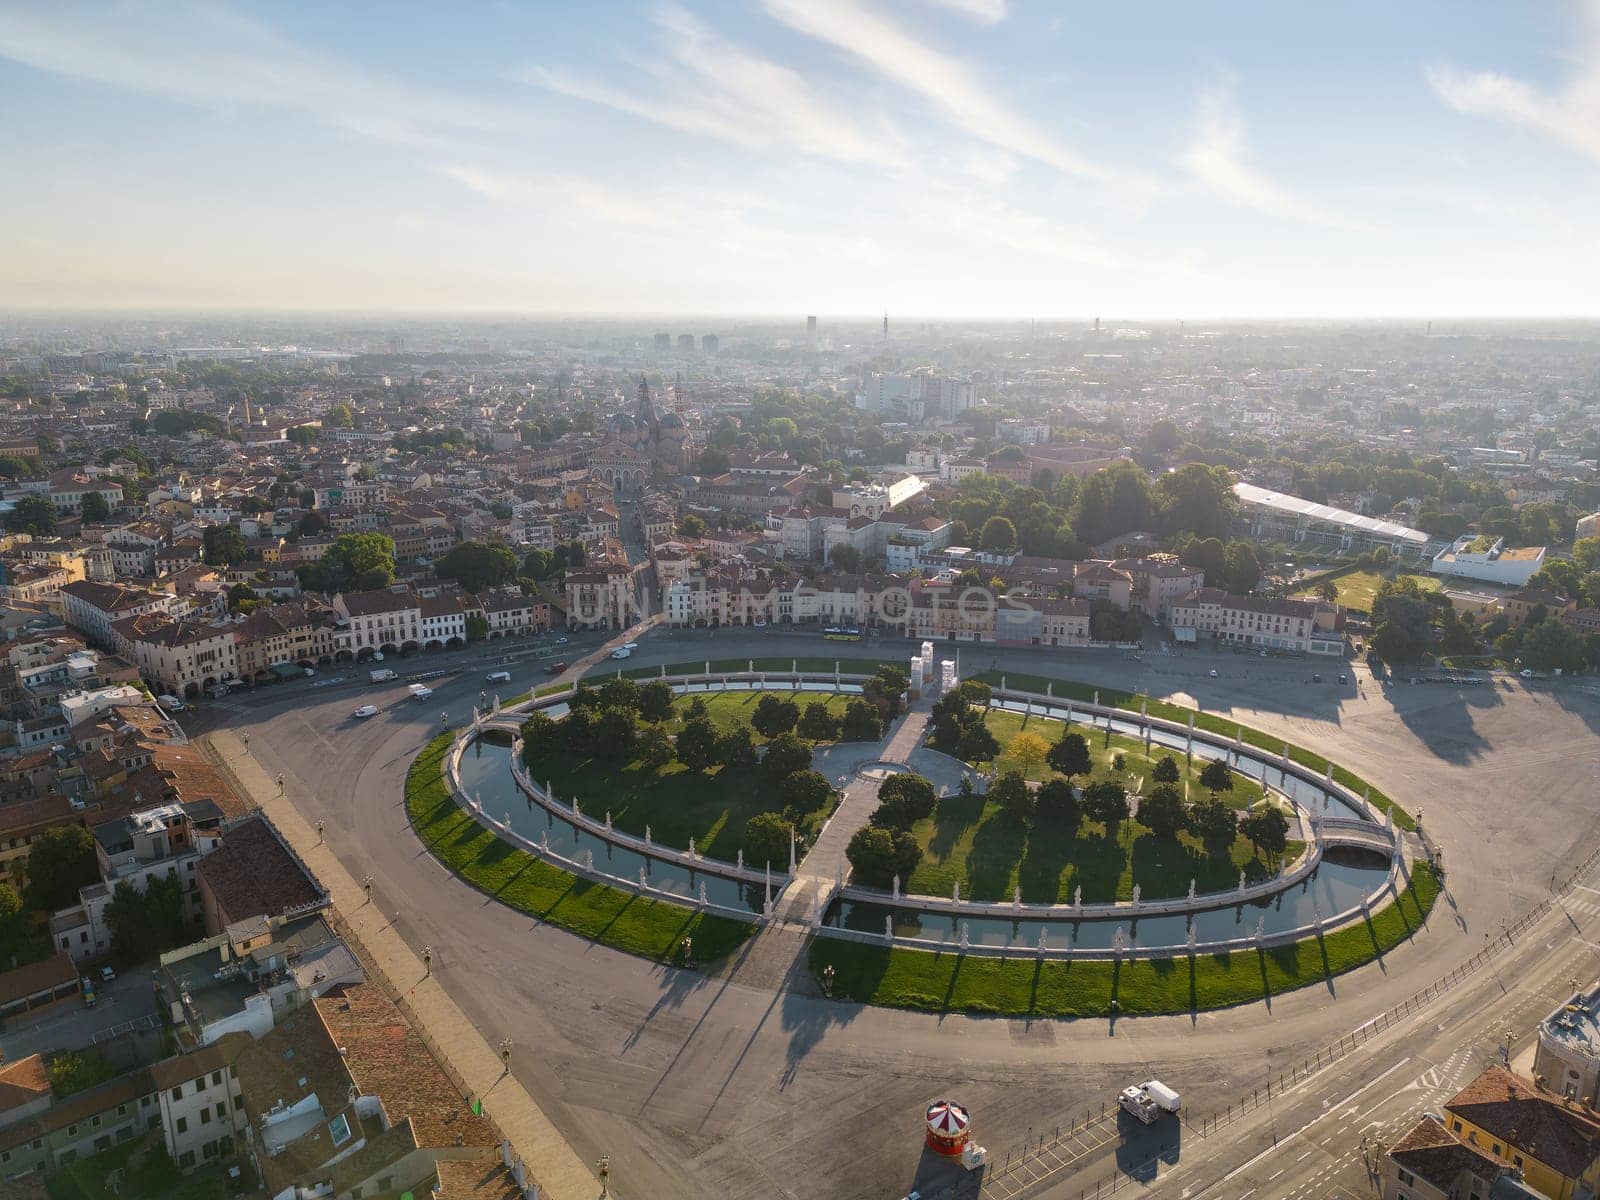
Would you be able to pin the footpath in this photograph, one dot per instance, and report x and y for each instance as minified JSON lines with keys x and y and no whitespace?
{"x":550,"y":1160}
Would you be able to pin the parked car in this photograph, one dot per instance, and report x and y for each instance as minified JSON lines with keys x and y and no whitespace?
{"x":107,"y":975}
{"x":555,"y":668}
{"x":1212,"y":672}
{"x":367,"y":710}
{"x":1343,"y":678}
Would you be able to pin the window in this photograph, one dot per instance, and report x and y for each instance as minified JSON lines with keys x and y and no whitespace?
{"x":1516,"y":1160}
{"x":205,"y":1116}
{"x":339,"y":1130}
{"x":225,"y":1145}
{"x":222,"y":1111}
{"x":103,"y":1142}
{"x":209,"y":1150}
{"x":216,"y":1078}
{"x":72,"y":1131}
{"x":177,"y":1094}
{"x":1406,"y":1177}
{"x":183,"y":1124}
{"x":186,"y":1159}
{"x":1456,"y":1125}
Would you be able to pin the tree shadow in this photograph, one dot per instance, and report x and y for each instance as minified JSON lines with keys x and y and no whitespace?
{"x":996,"y":849}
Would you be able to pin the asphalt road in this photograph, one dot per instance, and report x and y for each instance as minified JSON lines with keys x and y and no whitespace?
{"x":698,"y":1087}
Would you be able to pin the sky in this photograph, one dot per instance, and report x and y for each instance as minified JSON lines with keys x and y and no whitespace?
{"x":941,"y":158}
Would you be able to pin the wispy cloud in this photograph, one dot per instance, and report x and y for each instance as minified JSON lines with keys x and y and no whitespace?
{"x":206,"y":55}
{"x":1217,"y":158}
{"x":947,"y":83}
{"x":559,"y":193}
{"x":736,"y":96}
{"x":1571,"y":116}
{"x":987,"y":12}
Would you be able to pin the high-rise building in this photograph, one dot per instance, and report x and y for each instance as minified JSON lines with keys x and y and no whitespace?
{"x":663,"y":341}
{"x":709,"y":343}
{"x":811,"y":329}
{"x":686,"y":341}
{"x":917,"y":394}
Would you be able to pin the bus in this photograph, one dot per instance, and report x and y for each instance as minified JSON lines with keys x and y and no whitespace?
{"x":842,"y":633}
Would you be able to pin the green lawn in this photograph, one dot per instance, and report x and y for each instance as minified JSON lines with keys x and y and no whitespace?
{"x":1211,"y":722}
{"x":1358,"y":589}
{"x":1027,"y":987}
{"x":971,"y":840}
{"x":729,"y":709}
{"x":1105,"y":747}
{"x":644,"y":926}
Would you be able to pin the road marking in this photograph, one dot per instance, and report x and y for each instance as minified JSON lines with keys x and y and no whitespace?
{"x":1276,"y":1173}
{"x":1314,"y":1120}
{"x":1583,"y":887}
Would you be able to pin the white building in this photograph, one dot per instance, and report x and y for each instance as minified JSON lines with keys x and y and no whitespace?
{"x":1256,"y":621}
{"x":1485,"y":558}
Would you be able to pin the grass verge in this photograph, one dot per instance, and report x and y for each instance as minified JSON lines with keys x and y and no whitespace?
{"x":1028,"y":987}
{"x":640,"y":925}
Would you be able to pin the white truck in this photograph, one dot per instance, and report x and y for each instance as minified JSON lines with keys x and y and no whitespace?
{"x":383,"y":675}
{"x":1149,"y":1100}
{"x":419,"y":691}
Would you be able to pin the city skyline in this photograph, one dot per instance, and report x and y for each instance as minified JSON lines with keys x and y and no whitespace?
{"x":948,"y":159}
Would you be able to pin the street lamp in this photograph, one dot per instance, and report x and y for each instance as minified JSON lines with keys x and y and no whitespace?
{"x":366,"y":886}
{"x":320,"y":827}
{"x":280,"y":785}
{"x":427,"y":961}
{"x":604,"y":1167}
{"x":827,"y":980}
{"x":245,"y":738}
{"x":505,"y":1053}
{"x":1505,"y":1051}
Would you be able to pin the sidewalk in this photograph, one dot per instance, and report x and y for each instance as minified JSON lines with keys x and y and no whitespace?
{"x":551,"y":1162}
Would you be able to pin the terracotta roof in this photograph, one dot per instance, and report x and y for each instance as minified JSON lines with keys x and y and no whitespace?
{"x":386,"y":1057}
{"x":37,"y":977}
{"x":253,"y":873}
{"x":475,"y":1181}
{"x":1432,"y":1152}
{"x":1560,"y":1133}
{"x":22,"y":1082}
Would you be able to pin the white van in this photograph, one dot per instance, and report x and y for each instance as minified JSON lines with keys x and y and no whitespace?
{"x":498,"y":677}
{"x":171,"y":703}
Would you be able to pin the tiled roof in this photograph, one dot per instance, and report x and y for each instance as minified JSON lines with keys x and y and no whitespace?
{"x":36,"y":977}
{"x":386,"y":1057}
{"x":1432,"y":1152}
{"x":22,"y":1082}
{"x":1560,"y":1133}
{"x":475,"y":1181}
{"x":252,"y":873}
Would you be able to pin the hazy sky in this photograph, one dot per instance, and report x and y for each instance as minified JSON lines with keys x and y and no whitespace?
{"x":933,"y":157}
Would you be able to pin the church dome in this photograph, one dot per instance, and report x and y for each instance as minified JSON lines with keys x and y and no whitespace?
{"x":672,"y":421}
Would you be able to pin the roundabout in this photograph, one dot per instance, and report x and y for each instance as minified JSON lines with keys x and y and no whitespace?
{"x":683,"y":1076}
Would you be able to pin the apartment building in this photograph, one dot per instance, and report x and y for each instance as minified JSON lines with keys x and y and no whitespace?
{"x":386,"y":620}
{"x":178,"y":657}
{"x":1257,"y":622}
{"x":92,"y":608}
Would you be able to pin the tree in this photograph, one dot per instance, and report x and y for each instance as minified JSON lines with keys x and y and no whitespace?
{"x":541,"y":734}
{"x":655,"y":747}
{"x":1215,"y":777}
{"x":1028,"y":750}
{"x":477,"y":565}
{"x":615,"y":732}
{"x":1241,"y":568}
{"x":311,"y":524}
{"x":860,"y":723}
{"x":877,"y":855}
{"x":477,"y":628}
{"x":1328,"y":590}
{"x":655,"y":700}
{"x":1197,"y":499}
{"x":1166,"y":770}
{"x":14,"y":925}
{"x":1267,"y":828}
{"x":697,"y":745}
{"x":785,"y":754}
{"x":1106,"y":801}
{"x":766,"y":840}
{"x":620,"y":692}
{"x":804,"y":791}
{"x":1057,"y":804}
{"x":361,"y":561}
{"x":1070,"y":755}
{"x":303,"y":435}
{"x":223,"y":546}
{"x":737,"y":749}
{"x":94,"y":508}
{"x":774,"y":715}
{"x":78,"y":1070}
{"x":339,"y":416}
{"x":32,"y":514}
{"x":998,"y":534}
{"x":242,"y":598}
{"x":691,"y":526}
{"x":61,"y":861}
{"x":978,"y":744}
{"x":1215,"y":824}
{"x":1551,"y":645}
{"x":845,"y":557}
{"x":1162,"y":811}
{"x":818,"y":723}
{"x":904,"y":799}
{"x":1014,"y":798}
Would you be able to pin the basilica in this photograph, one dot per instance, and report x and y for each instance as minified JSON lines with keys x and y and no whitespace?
{"x":641,"y":445}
